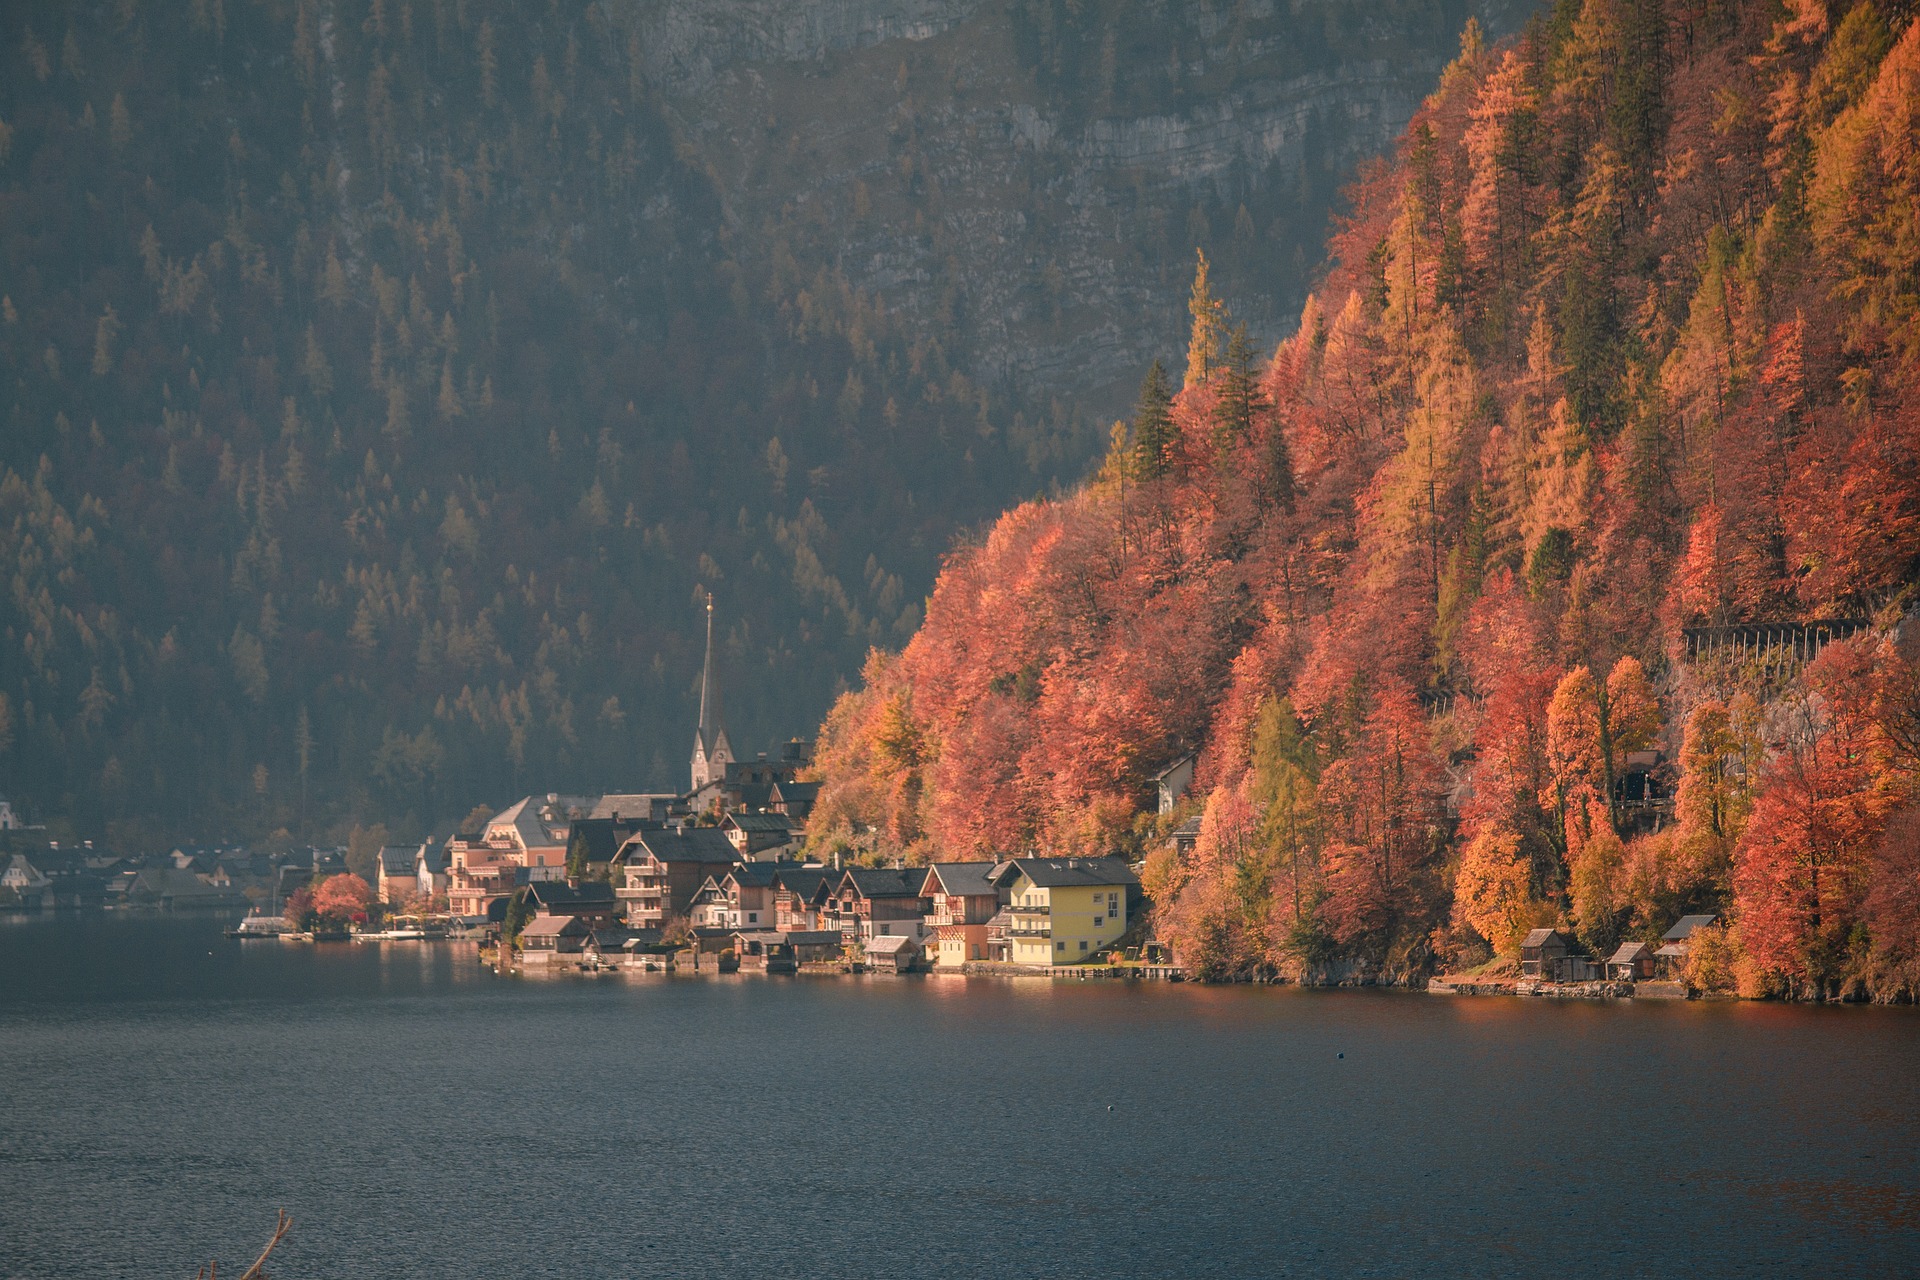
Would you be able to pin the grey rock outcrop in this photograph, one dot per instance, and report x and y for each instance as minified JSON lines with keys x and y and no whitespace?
{"x":1042,"y":179}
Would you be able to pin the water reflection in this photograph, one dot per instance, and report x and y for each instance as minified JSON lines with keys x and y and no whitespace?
{"x":421,"y":1114}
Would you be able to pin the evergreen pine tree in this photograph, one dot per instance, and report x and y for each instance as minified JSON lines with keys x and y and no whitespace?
{"x":1240,"y":400}
{"x":1153,"y":426}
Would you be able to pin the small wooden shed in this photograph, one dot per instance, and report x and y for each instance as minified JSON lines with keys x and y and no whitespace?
{"x":549,"y":936}
{"x":892,"y":954}
{"x":1540,"y":951}
{"x":1632,"y":962}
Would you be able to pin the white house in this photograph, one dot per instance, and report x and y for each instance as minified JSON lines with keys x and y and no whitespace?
{"x":1173,"y":781}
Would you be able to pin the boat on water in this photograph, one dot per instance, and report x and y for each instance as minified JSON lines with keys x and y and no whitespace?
{"x":405,"y":931}
{"x":259,"y":926}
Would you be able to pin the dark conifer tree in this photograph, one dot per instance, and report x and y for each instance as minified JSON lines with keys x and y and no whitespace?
{"x":1153,"y":425}
{"x":1240,"y":402}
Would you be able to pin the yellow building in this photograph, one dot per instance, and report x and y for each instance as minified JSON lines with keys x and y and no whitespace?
{"x":1064,"y":910}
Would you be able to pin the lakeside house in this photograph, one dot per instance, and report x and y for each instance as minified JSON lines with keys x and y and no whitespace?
{"x":1541,"y":949}
{"x":1631,"y":962}
{"x":396,"y":871}
{"x":588,"y":900}
{"x":892,"y":954}
{"x":26,"y":881}
{"x":524,"y":842}
{"x":795,"y":890}
{"x":763,"y":950}
{"x":177,"y":889}
{"x":767,"y":836}
{"x":962,"y":899}
{"x":793,"y":800}
{"x":430,"y":871}
{"x":659,"y":872}
{"x":874,"y":902}
{"x":1063,"y":910}
{"x":1677,"y":941}
{"x":741,"y":898}
{"x":548,"y":937}
{"x":814,"y":946}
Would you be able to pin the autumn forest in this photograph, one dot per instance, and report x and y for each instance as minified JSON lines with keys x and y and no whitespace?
{"x":1559,"y":569}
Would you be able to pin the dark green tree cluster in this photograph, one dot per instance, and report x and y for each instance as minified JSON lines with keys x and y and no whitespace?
{"x":383,"y":386}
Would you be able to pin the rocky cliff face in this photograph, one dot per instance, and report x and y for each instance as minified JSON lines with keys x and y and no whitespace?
{"x":371,"y":315}
{"x":1040,"y":174}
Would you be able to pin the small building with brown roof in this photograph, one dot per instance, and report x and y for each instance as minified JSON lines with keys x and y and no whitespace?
{"x":961,"y":900}
{"x":1541,"y":950}
{"x":547,"y":938}
{"x":1632,"y":962}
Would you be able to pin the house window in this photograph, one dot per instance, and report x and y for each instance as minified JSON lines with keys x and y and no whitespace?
{"x":883,"y":930}
{"x":1083,"y":944}
{"x":752,"y":916}
{"x":1059,"y":946}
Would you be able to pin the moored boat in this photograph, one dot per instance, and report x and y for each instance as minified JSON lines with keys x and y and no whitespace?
{"x":259,"y":926}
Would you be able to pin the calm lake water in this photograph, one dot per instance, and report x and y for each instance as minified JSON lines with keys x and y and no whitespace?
{"x":167,"y":1089}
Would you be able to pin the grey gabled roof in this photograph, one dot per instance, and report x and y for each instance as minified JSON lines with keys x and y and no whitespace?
{"x":803,"y":881}
{"x":687,"y":844}
{"x":398,"y":859}
{"x":881,"y":882}
{"x":1051,"y":873}
{"x":546,"y":926}
{"x":1629,"y":952}
{"x":1185,"y":757}
{"x":960,"y":878}
{"x":632,"y":806}
{"x":1683,"y":930}
{"x":1538,"y":937}
{"x":759,"y":874}
{"x":558,"y":893}
{"x":764,"y":822}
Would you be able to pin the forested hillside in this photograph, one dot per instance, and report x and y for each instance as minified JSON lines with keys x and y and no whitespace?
{"x":385,"y":380}
{"x":1625,"y":340}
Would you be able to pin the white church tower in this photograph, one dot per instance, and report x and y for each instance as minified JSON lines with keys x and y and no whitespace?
{"x":712,"y":753}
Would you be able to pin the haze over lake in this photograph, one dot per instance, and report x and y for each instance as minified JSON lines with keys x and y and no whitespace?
{"x":418,"y":1115}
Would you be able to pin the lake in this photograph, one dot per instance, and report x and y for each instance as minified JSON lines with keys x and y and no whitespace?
{"x":167,"y":1089}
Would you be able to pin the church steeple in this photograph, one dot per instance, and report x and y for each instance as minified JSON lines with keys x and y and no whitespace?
{"x":711,"y":751}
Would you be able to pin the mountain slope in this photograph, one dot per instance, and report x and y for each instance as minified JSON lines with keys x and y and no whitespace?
{"x":386,"y":380}
{"x":1624,"y":342}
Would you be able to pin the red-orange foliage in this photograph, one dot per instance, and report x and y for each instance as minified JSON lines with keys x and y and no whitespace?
{"x":1383,"y":808}
{"x":1892,"y":907}
{"x":1606,"y":351}
{"x":1801,"y":869}
{"x":343,"y":898}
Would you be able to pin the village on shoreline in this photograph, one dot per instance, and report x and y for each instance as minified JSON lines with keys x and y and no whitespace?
{"x":713,"y":879}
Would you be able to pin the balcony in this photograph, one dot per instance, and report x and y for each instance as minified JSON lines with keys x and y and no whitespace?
{"x":1029,"y":932}
{"x":1030,"y":911}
